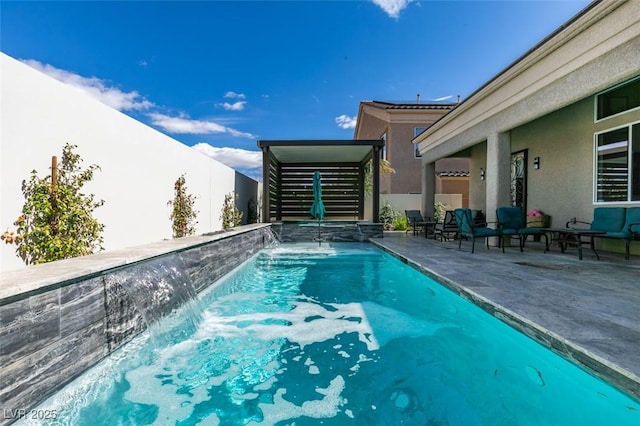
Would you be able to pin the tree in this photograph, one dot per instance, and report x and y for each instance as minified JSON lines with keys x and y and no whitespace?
{"x":183,"y":214}
{"x":57,"y":217}
{"x":231,"y":216}
{"x":385,"y":167}
{"x":252,"y":215}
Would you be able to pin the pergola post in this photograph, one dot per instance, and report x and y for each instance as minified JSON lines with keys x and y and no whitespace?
{"x":376,"y":184}
{"x":266,"y":201}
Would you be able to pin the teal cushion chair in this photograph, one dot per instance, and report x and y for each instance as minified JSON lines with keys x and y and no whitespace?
{"x":610,"y":220}
{"x":511,"y":222}
{"x":467,"y":228}
{"x":620,"y":223}
{"x":631,"y":228}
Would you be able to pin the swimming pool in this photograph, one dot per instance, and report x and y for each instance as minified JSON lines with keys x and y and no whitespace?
{"x":337,"y":334}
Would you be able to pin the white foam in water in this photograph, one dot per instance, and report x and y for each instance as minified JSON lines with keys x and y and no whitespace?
{"x":387,"y":322}
{"x":326,"y":407}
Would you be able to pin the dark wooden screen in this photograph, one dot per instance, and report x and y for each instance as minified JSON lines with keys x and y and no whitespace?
{"x":291,"y":189}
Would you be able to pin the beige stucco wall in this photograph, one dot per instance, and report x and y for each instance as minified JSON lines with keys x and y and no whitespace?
{"x":400,"y":153}
{"x":563,"y":185}
{"x":477,"y":187}
{"x":564,"y":141}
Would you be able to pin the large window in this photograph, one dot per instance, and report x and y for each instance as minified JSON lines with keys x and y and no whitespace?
{"x":619,"y":99}
{"x":618,"y":165}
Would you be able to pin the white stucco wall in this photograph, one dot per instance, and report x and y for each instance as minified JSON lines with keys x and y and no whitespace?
{"x":38,"y":115}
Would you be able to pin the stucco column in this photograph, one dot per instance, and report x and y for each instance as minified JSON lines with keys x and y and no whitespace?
{"x":428,"y":188}
{"x":498,"y":174}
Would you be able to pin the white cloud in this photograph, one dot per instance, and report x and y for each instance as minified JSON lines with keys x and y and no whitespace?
{"x":233,"y":157}
{"x":185,"y":125}
{"x":443,"y":98}
{"x":392,"y":7}
{"x":95,"y":87}
{"x":236,"y":106}
{"x":233,"y":95}
{"x":346,"y":122}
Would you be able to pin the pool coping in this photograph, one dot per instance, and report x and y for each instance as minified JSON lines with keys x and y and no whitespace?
{"x":592,"y":363}
{"x":36,"y":278}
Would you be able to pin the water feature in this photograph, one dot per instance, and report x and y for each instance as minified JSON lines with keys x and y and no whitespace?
{"x":338,"y":334}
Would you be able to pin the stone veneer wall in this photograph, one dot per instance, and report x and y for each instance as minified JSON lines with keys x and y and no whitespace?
{"x":51,"y":335}
{"x":329,"y":231}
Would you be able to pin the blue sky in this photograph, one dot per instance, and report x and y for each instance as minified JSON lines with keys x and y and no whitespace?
{"x":219,"y":75}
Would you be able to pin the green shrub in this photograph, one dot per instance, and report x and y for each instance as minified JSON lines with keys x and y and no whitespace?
{"x":231,"y":216}
{"x":387,"y":214}
{"x":400,"y":223}
{"x":183,"y":214}
{"x":439,"y":211}
{"x":57,"y":217}
{"x":252,"y":215}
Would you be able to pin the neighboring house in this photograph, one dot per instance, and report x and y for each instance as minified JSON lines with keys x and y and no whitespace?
{"x":397,"y":123}
{"x":559,"y":129}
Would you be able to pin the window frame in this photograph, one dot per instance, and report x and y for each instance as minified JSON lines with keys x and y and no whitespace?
{"x":383,"y":153}
{"x":416,"y":151}
{"x":611,"y":89}
{"x":630,"y":172}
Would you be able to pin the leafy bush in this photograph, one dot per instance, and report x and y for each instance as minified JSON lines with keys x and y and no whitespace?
{"x":400,"y":223}
{"x":183,"y":214}
{"x":231,"y":216}
{"x":439,"y":211}
{"x":252,"y":216}
{"x":57,"y":218}
{"x":392,"y":218}
{"x":387,"y":214}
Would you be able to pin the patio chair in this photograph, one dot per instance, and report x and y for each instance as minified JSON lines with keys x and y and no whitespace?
{"x":512,"y":223}
{"x":447,"y":227}
{"x":416,"y":221}
{"x":467,"y":228}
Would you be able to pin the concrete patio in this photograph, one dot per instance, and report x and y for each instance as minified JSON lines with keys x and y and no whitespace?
{"x":587,"y":310}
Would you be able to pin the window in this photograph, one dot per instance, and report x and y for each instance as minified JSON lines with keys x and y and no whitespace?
{"x":416,"y":132}
{"x":619,"y":99}
{"x":384,"y":148}
{"x":618,"y":165}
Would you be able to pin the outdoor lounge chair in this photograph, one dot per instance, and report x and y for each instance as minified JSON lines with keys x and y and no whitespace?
{"x":619,"y":223}
{"x":447,"y":227}
{"x":416,"y":221}
{"x":511,"y":222}
{"x":469,"y":229}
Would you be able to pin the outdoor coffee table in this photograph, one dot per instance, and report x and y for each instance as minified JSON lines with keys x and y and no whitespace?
{"x":567,"y":236}
{"x":430,"y":228}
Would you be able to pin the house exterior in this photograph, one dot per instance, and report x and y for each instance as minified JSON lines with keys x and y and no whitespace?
{"x":398,"y":123}
{"x":559,"y":129}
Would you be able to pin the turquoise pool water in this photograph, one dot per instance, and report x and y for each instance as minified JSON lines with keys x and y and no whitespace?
{"x":342,"y":334}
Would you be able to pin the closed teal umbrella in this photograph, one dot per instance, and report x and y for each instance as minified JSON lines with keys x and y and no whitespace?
{"x":317,"y":208}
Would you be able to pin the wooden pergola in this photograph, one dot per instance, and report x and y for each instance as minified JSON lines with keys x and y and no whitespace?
{"x":288,"y":167}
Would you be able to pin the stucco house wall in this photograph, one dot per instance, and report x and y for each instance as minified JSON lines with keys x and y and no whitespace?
{"x":139,"y":165}
{"x":397,"y":123}
{"x":545,"y":103}
{"x":400,"y":153}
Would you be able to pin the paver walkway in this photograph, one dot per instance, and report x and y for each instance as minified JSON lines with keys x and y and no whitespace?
{"x":588,"y":310}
